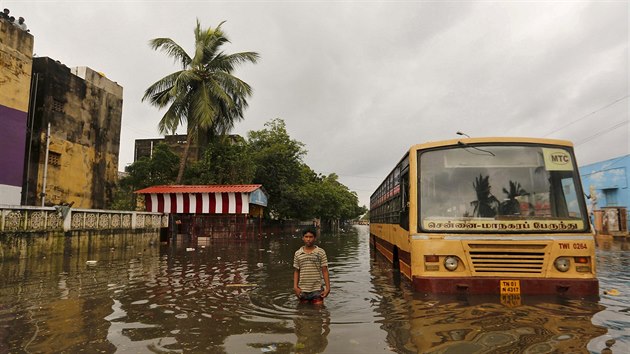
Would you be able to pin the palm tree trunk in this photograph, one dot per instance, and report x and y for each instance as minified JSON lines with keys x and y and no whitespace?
{"x":182,"y":162}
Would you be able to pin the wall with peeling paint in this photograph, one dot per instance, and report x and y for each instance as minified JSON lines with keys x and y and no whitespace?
{"x":608,"y":183}
{"x":84,"y":109}
{"x":16,"y":57}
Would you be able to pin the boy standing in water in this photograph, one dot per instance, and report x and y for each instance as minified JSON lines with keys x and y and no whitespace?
{"x":310,"y":267}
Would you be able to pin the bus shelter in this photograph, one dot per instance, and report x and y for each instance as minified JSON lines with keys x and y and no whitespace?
{"x":214,"y":211}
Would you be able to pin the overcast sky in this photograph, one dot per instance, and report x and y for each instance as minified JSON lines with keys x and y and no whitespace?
{"x":359,"y":82}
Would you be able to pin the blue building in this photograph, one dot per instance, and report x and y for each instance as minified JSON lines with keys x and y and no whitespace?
{"x":608,"y":180}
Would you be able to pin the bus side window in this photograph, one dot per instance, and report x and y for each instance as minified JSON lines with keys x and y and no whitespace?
{"x":404,"y":192}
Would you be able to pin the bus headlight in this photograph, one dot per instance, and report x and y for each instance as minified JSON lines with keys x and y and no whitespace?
{"x":451,"y":263}
{"x":562,"y":264}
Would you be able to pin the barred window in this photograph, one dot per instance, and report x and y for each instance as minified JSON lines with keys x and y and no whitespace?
{"x":54,"y":158}
{"x":57,"y":106}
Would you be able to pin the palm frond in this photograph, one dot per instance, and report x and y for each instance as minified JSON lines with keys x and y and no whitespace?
{"x":171,"y":49}
{"x":218,"y":91}
{"x":186,"y":81}
{"x":162,"y":99}
{"x":209,"y":49}
{"x":228,"y":63}
{"x":233,"y":85}
{"x":203,"y":109}
{"x":161,"y":85}
{"x":172,"y":119}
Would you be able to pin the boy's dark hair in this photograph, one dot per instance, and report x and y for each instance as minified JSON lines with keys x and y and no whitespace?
{"x":307,"y":230}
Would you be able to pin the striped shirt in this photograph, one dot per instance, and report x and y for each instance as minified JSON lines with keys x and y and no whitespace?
{"x":310,"y":267}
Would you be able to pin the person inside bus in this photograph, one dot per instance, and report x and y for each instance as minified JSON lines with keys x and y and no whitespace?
{"x":310,"y":270}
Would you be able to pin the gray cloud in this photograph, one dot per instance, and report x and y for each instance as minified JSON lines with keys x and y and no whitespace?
{"x":360,"y":82}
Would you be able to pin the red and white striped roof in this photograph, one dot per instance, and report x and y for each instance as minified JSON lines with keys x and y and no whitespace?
{"x":213,"y":188}
{"x":197,"y":203}
{"x":210,"y":199}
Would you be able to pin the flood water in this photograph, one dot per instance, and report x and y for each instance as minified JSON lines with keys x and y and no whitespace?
{"x":219,"y":297}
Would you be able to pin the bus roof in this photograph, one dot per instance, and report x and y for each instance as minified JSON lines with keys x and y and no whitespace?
{"x":468,"y":141}
{"x":433,"y":144}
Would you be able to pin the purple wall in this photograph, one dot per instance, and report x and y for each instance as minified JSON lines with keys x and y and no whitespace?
{"x":12,"y":145}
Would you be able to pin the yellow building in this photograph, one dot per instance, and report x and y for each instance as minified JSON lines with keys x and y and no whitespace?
{"x":84,"y":110}
{"x":16,"y":58}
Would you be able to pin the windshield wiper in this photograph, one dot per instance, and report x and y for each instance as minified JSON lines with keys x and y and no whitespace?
{"x":466,"y":146}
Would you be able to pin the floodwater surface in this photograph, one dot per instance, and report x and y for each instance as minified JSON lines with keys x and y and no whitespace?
{"x":236,"y":297}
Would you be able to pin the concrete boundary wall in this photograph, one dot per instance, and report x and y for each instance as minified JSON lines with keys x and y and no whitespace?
{"x":72,"y":245}
{"x":62,"y":218}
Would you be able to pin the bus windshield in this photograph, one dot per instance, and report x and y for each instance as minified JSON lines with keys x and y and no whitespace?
{"x":492,"y":188}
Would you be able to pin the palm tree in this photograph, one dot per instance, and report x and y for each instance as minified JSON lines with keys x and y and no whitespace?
{"x":511,"y":206}
{"x":486,"y":203}
{"x":204,"y":94}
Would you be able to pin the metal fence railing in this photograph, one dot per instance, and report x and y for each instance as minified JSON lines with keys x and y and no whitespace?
{"x":63,"y":218}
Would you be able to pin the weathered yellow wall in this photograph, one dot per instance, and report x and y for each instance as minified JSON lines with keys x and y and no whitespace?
{"x":70,"y":181}
{"x":16,"y":60}
{"x":85,"y":117}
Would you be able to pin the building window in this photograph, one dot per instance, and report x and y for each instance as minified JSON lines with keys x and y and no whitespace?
{"x":57,"y":106}
{"x":54,"y":158}
{"x":611,"y":196}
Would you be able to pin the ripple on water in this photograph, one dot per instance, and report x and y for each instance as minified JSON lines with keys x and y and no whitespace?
{"x":207,"y":302}
{"x":613,"y":261}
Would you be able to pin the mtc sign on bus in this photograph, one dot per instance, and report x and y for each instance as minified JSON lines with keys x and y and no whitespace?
{"x":557,"y":160}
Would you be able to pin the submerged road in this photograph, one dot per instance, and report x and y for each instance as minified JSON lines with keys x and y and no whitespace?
{"x":219,"y":297}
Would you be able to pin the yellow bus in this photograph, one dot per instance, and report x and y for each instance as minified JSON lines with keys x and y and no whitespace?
{"x":487,"y":215}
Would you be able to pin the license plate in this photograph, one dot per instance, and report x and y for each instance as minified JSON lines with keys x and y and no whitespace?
{"x":509,"y":287}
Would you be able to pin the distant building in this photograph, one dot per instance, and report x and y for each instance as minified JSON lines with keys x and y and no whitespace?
{"x":16,"y":56}
{"x":607,"y":181}
{"x":177,"y":143}
{"x":84,"y":110}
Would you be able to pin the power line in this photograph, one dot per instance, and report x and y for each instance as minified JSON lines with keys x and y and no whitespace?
{"x":588,"y":115}
{"x":620,"y":124}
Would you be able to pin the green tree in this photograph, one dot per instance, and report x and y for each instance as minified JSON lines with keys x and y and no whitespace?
{"x":295,"y":190}
{"x":279,"y":167}
{"x":160,"y":169}
{"x":337,"y":202}
{"x":301,"y":199}
{"x":226,"y":160}
{"x":203,"y":95}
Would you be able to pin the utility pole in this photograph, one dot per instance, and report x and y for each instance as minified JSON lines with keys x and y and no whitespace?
{"x":46,"y":165}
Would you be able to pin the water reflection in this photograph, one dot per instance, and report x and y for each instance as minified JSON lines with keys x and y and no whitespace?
{"x":491,"y":327}
{"x":222,"y":297}
{"x":613,"y":262}
{"x":486,"y":324}
{"x":312,"y":326}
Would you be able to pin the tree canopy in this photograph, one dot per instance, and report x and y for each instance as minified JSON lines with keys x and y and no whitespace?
{"x":159,"y":169}
{"x":269,"y":157}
